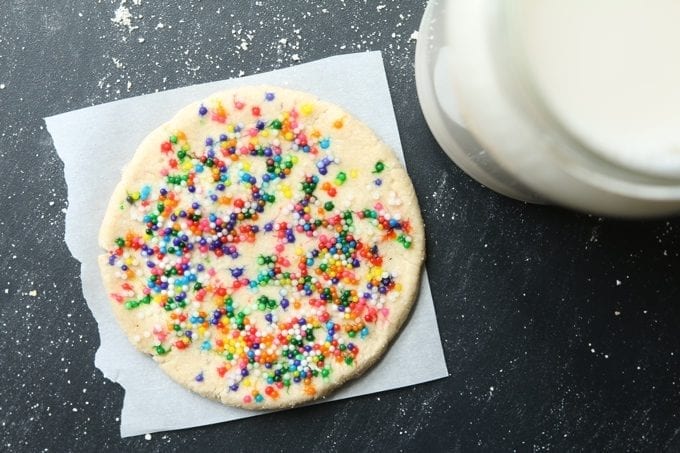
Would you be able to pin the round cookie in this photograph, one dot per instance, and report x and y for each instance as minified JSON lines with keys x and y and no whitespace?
{"x":263,"y":246}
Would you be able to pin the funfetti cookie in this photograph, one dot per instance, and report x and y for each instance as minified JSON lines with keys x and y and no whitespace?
{"x":263,"y":246}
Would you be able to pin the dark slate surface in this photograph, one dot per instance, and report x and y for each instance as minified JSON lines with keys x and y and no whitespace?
{"x":560,"y":330}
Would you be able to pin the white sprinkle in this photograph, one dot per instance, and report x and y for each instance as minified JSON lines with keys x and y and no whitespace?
{"x":295,"y":57}
{"x":147,"y":436}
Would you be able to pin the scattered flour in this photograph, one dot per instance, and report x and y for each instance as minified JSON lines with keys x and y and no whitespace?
{"x":123,"y":17}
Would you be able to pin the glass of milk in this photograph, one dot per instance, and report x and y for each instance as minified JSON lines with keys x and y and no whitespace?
{"x":571,"y":102}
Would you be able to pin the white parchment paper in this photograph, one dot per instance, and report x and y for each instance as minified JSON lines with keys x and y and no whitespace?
{"x":96,"y":142}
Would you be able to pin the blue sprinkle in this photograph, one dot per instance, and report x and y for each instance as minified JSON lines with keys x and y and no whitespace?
{"x":145,"y":192}
{"x":236,"y":272}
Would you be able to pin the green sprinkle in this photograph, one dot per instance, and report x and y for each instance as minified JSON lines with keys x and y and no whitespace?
{"x":341,"y":178}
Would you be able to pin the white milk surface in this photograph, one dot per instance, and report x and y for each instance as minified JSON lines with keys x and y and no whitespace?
{"x":609,"y":71}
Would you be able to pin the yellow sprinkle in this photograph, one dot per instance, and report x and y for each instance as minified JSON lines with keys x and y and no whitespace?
{"x":246,"y":166}
{"x":187,"y":165}
{"x":295,"y":159}
{"x":264,"y":133}
{"x":299,"y":251}
{"x":306,"y":109}
{"x":353,"y":173}
{"x":397,"y":287}
{"x":289,"y":136}
{"x":247,"y":382}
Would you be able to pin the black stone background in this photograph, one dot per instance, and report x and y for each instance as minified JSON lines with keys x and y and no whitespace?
{"x":560,"y":329}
